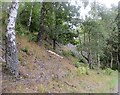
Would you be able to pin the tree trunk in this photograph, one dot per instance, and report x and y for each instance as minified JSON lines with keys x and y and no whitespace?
{"x":89,"y":53}
{"x":55,"y":32}
{"x":29,"y":23}
{"x":118,"y":67}
{"x":89,"y":60}
{"x":84,"y":57}
{"x":98,"y":60}
{"x":118,"y":36}
{"x":11,"y":50}
{"x":80,"y":42}
{"x":111,"y":63}
{"x":41,"y":24}
{"x":97,"y":54}
{"x":54,"y":44}
{"x":84,"y":39}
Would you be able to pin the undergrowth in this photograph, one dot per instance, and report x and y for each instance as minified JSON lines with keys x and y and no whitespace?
{"x":82,"y":68}
{"x":68,"y":53}
{"x":108,"y":71}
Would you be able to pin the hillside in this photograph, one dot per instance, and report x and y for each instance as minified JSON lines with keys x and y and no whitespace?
{"x":42,"y":71}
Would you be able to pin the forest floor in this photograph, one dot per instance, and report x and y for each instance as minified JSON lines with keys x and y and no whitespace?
{"x":44,"y":72}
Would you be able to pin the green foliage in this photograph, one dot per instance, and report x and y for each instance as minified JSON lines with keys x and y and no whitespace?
{"x":59,"y":25}
{"x":98,"y":33}
{"x":109,"y":19}
{"x":4,"y":18}
{"x":24,"y":14}
{"x":80,"y":64}
{"x":32,"y":37}
{"x":108,"y":71}
{"x":68,"y":53}
{"x":82,"y":70}
{"x":58,"y":21}
{"x":21,"y":30}
{"x":25,"y":49}
{"x":35,"y":21}
{"x":66,"y":38}
{"x":72,"y":54}
{"x":77,"y":64}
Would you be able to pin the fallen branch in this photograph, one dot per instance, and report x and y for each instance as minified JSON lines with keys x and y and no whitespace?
{"x":69,"y":84}
{"x":54,"y":53}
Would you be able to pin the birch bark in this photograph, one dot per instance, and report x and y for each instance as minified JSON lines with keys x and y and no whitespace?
{"x":11,"y":50}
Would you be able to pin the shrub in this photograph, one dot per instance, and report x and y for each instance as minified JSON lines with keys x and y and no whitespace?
{"x":77,"y":64}
{"x":108,"y":71}
{"x":4,"y":17}
{"x":32,"y":37}
{"x":68,"y":53}
{"x":80,"y":64}
{"x":82,"y":70}
{"x":21,"y":30}
{"x":65,"y":53}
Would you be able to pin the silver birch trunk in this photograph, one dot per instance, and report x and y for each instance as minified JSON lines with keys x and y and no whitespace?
{"x":11,"y":50}
{"x":29,"y":23}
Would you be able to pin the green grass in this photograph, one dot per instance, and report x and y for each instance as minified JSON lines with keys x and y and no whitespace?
{"x":109,"y":83}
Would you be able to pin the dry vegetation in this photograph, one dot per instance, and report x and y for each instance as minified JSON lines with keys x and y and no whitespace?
{"x":43,"y":72}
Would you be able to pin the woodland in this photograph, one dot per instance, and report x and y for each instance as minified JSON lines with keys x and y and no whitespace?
{"x":51,"y":47}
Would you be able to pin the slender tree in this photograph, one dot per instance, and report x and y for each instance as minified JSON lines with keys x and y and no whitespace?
{"x":11,"y":49}
{"x":111,"y":62}
{"x":119,"y":36}
{"x":42,"y":14}
{"x":56,"y":24}
{"x":29,"y":23}
{"x":89,"y":51}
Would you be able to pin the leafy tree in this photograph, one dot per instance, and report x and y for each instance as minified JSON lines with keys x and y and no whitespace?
{"x":112,"y":39}
{"x":42,"y":15}
{"x":31,"y":14}
{"x":60,"y":24}
{"x":118,"y":24}
{"x":24,"y":15}
{"x":94,"y":32}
